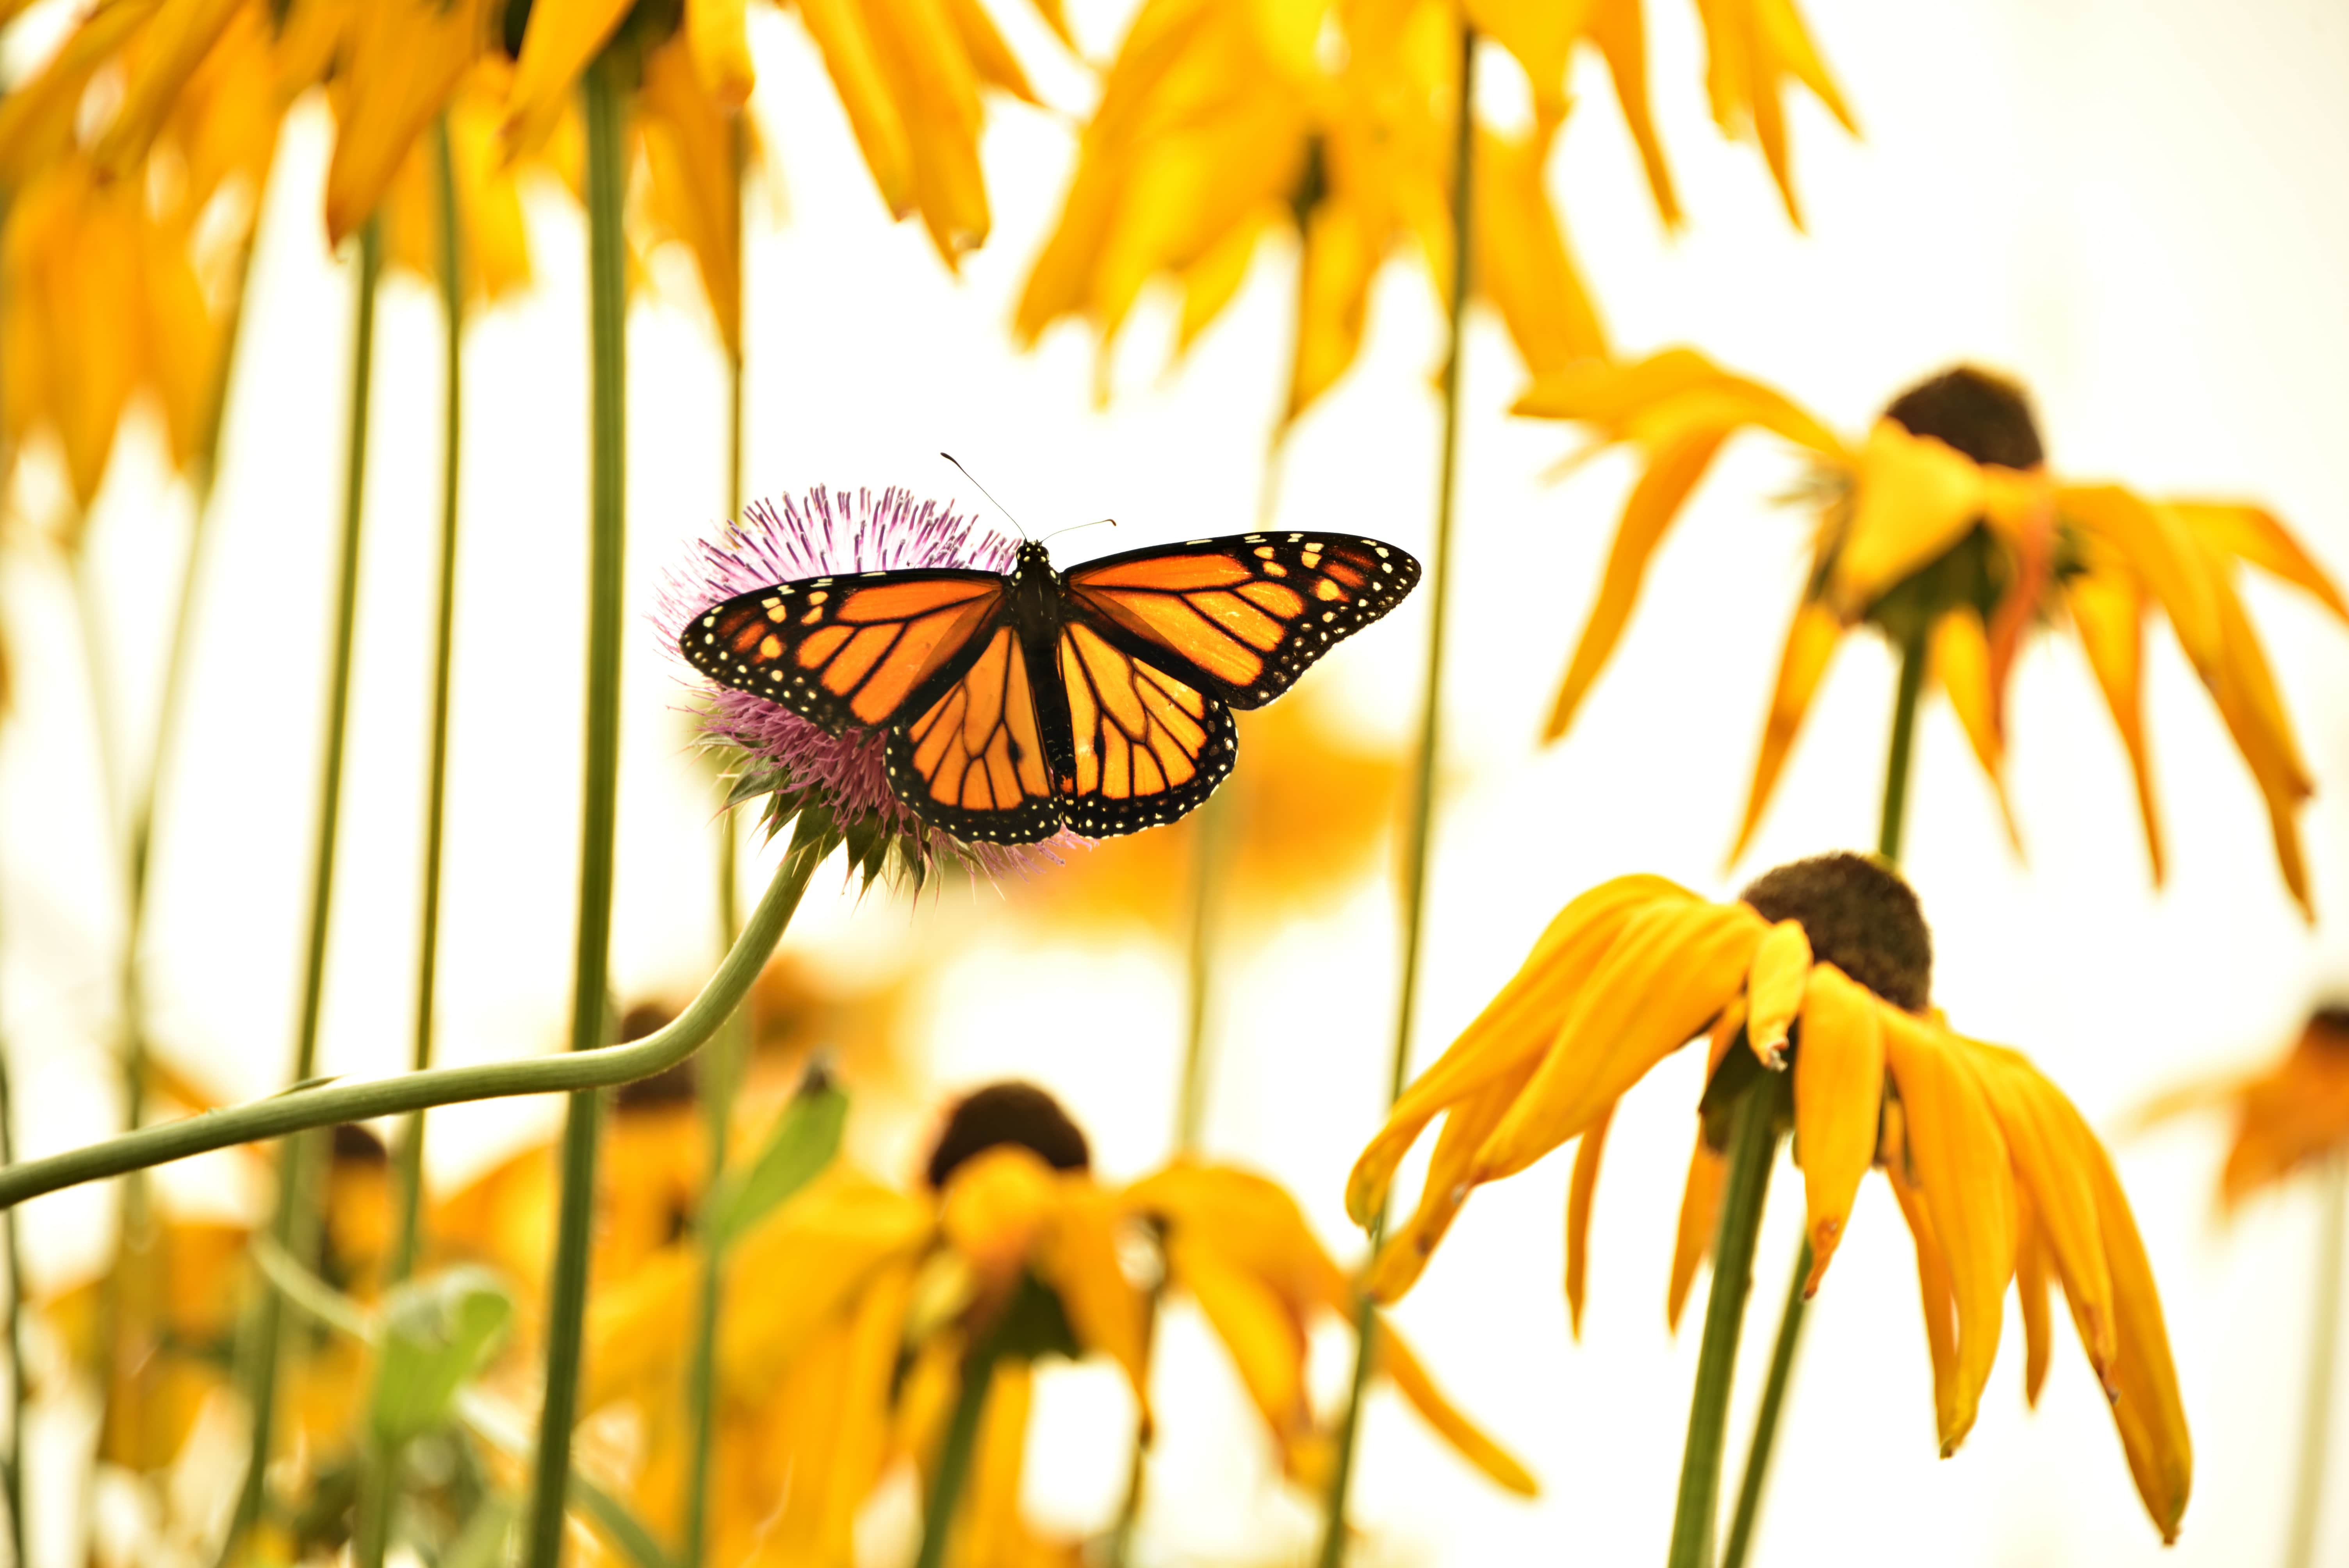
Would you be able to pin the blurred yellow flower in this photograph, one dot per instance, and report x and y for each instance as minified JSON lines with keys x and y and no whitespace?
{"x":2288,"y":1116}
{"x":1238,"y":1247}
{"x":1823,"y":969}
{"x":1944,"y":529}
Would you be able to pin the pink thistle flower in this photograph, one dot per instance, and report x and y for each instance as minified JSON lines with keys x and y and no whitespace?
{"x":791,"y":761}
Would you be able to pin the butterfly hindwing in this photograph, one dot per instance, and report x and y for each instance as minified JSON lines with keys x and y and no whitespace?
{"x":1240,"y":618}
{"x":1148,"y":745}
{"x":869,"y":650}
{"x":973,"y":762}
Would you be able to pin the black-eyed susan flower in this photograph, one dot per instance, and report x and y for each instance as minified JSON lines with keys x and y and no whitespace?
{"x":853,"y":1316}
{"x":1814,"y":987}
{"x":775,"y":755}
{"x":1237,"y":1246}
{"x":2288,"y":1116}
{"x":1944,"y":529}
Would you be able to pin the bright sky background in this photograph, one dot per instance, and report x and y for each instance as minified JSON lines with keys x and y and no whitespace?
{"x":2123,"y":201}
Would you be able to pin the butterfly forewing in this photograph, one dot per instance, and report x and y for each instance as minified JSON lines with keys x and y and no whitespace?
{"x":973,"y":761}
{"x":1240,"y":618}
{"x":872,"y":650}
{"x":1148,"y":745}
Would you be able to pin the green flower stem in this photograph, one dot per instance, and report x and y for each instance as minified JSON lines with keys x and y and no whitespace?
{"x":946,"y":1483}
{"x":325,"y":1104}
{"x":1898,"y":766}
{"x":296,"y":1194}
{"x":566,"y":1295}
{"x":407,"y":1164}
{"x":1753,"y":1147}
{"x":1419,"y":826}
{"x":722,"y":1068}
{"x":12,"y":1473}
{"x":2325,"y":1336}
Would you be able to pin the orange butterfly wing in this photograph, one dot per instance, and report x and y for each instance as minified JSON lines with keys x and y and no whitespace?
{"x":1149,"y":746}
{"x":1239,"y":619}
{"x":869,"y":650}
{"x":973,"y":763}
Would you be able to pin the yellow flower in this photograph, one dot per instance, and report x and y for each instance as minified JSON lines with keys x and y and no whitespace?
{"x":2287,"y":1115}
{"x":1237,"y":1245}
{"x":849,"y":1314}
{"x":1822,"y":969}
{"x":909,"y":75}
{"x":1945,"y":530}
{"x":1222,"y":120}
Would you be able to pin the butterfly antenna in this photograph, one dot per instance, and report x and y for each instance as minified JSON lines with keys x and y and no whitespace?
{"x":985,"y":491}
{"x":1074,"y":526}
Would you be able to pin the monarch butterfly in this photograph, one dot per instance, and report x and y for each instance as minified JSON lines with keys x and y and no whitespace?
{"x":1098,"y":699}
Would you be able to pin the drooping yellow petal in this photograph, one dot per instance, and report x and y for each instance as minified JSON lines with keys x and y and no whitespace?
{"x":2248,"y":701}
{"x":562,"y":37}
{"x":36,"y":118}
{"x":714,"y":31}
{"x":1252,"y":1222}
{"x":937,"y":95}
{"x":1342,"y":253}
{"x":1412,"y":1381}
{"x":1811,"y":644}
{"x":174,"y":41}
{"x":2108,"y":613}
{"x":2045,"y":1137}
{"x":1265,"y":1340}
{"x":1774,"y":984}
{"x":1934,"y":1296}
{"x":1515,"y":1028}
{"x":1079,"y":1261}
{"x":1913,"y":498}
{"x":791,"y":1271}
{"x":1750,"y":46}
{"x":1620,"y":35}
{"x":1578,"y":1213}
{"x":1838,"y":1104}
{"x":1958,"y":660}
{"x":998,"y":1208}
{"x":990,"y":57}
{"x":1671,"y":970}
{"x":1521,"y":262}
{"x":1445,"y":1189}
{"x":1700,"y":1217}
{"x":1541,"y":36}
{"x":1677,"y":389}
{"x":849,"y":57}
{"x":1210,"y":283}
{"x":2255,"y":535}
{"x":2031,"y":1294}
{"x":182,"y":340}
{"x":2158,"y":549}
{"x":1962,"y":1168}
{"x":696,"y":190}
{"x":991,"y":1530}
{"x":1673,"y":472}
{"x":404,"y":59}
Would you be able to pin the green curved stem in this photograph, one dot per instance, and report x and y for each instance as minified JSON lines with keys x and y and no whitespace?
{"x":566,"y":1295}
{"x":1420,"y":824}
{"x":1891,"y":822}
{"x":723,"y":1068}
{"x":299,"y":1110}
{"x":295,"y":1193}
{"x":1753,"y":1147}
{"x":2324,"y":1337}
{"x":407,"y":1170}
{"x":11,"y":1474}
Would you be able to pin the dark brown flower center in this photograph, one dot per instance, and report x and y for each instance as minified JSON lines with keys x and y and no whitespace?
{"x":1984,"y":415}
{"x":1003,"y":1113}
{"x":2329,"y":1025}
{"x":357,"y":1144}
{"x":671,"y":1086}
{"x":1860,"y":917}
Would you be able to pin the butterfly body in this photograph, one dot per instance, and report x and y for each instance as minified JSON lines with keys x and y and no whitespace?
{"x":1015,"y":705}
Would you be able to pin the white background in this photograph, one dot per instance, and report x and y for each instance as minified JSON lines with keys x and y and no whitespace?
{"x":2130,"y":204}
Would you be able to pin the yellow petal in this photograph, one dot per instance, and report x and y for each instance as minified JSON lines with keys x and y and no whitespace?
{"x":1616,"y":28}
{"x":998,"y":1208}
{"x":1521,"y":262}
{"x":1578,"y":1213}
{"x":177,"y":37}
{"x":991,"y":1530}
{"x":990,"y":57}
{"x":1466,"y":1438}
{"x":1265,"y":1340}
{"x":1343,"y":248}
{"x":36,"y":118}
{"x":1958,"y":659}
{"x":1515,"y":1028}
{"x":938,"y":95}
{"x":790,"y":1272}
{"x":404,"y":59}
{"x":2253,"y":711}
{"x":1466,"y":1125}
{"x":562,"y":37}
{"x":1677,"y":389}
{"x":714,"y":30}
{"x":1811,"y":644}
{"x":1541,"y":35}
{"x":1700,"y":1217}
{"x":2108,"y":612}
{"x":1079,"y":1261}
{"x":1774,"y":984}
{"x":2031,"y":1294}
{"x":1673,"y":472}
{"x":1210,"y":283}
{"x":1252,"y":1223}
{"x":1671,"y":970}
{"x":695,"y":187}
{"x":2255,"y":535}
{"x":1838,"y":1102}
{"x":1962,"y":1167}
{"x":839,"y":34}
{"x":2157,"y":548}
{"x":1933,"y":1291}
{"x":1913,"y":496}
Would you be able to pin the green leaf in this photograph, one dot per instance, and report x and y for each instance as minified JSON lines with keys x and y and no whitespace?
{"x":437,"y":1331}
{"x":482,"y":1542}
{"x":805,"y":1140}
